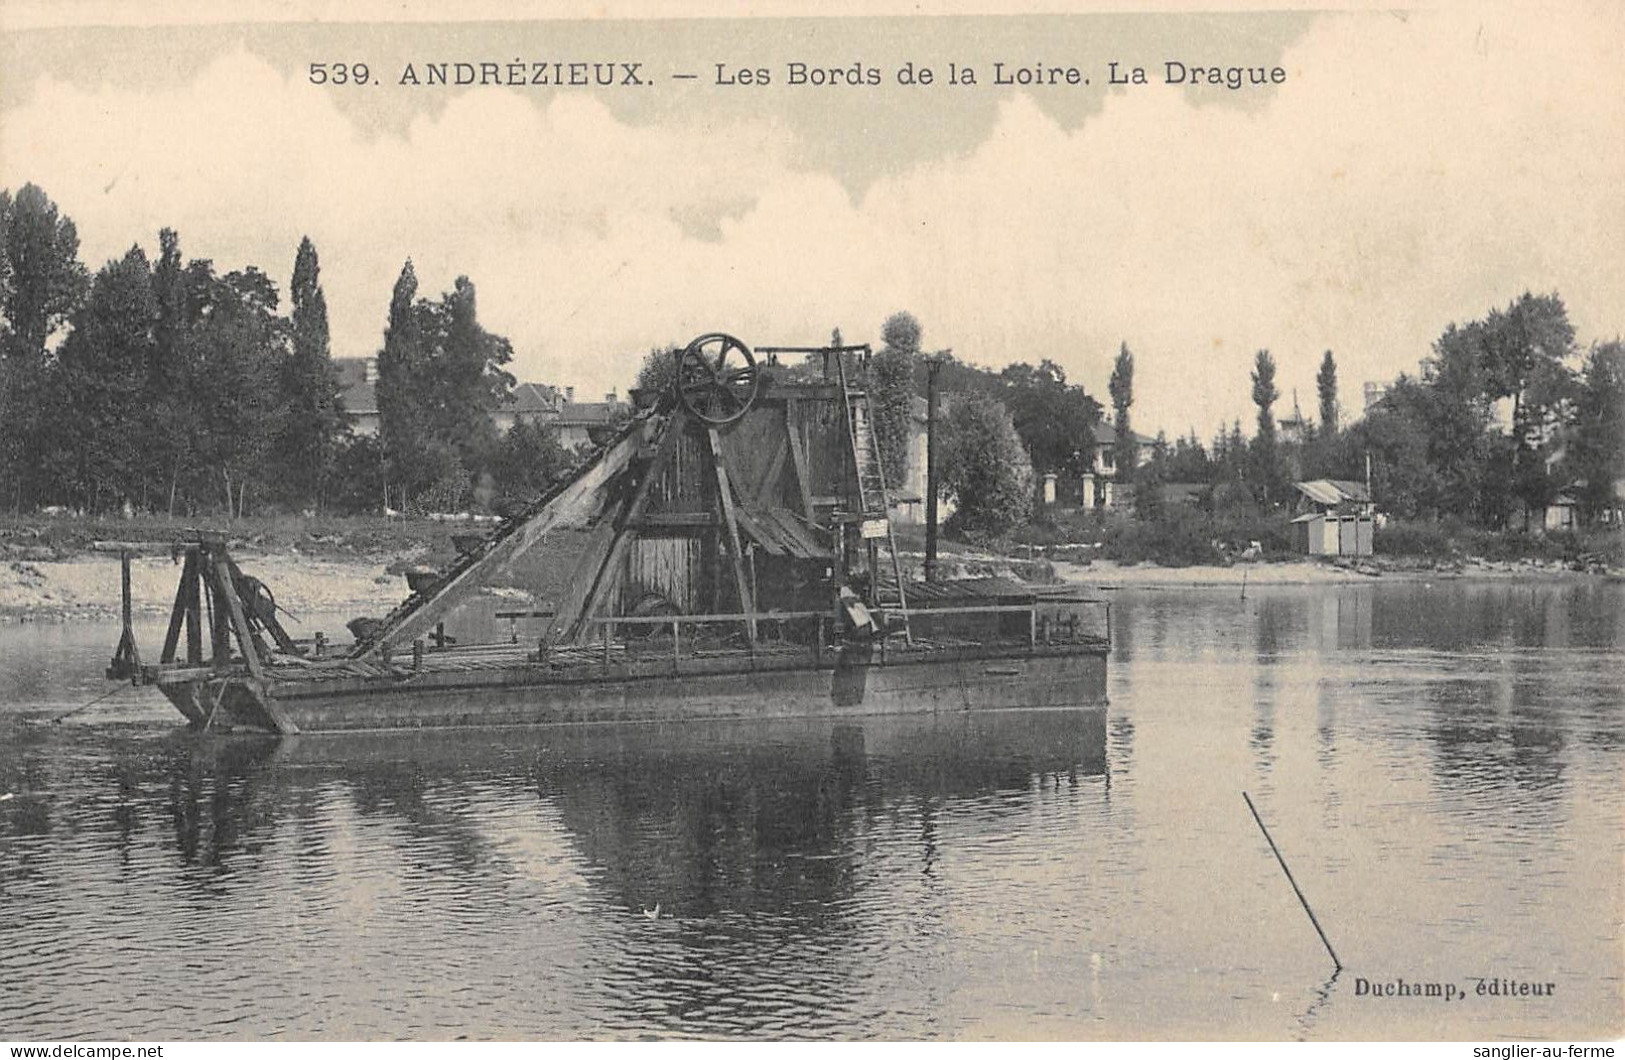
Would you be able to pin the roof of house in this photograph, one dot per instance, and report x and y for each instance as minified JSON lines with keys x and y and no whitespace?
{"x":1106,"y":434}
{"x":531,"y":398}
{"x":539,"y":400}
{"x":1334,"y":491}
{"x":591,"y":413}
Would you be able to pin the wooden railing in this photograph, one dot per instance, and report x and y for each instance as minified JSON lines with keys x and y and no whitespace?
{"x":608,"y":623}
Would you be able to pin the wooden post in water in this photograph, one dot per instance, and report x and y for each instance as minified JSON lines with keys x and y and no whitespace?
{"x":1337,"y":964}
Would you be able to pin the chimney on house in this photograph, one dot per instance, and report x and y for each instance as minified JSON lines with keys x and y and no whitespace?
{"x":611,"y":398}
{"x":569,"y":395}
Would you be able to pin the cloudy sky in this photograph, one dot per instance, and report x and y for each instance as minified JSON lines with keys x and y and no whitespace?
{"x":1414,"y":169}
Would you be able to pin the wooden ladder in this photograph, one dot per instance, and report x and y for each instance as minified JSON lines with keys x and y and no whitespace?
{"x":890,"y":596}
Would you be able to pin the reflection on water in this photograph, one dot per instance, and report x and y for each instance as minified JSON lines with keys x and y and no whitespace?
{"x":1440,"y":764}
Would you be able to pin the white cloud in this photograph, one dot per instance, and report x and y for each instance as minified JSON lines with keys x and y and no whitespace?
{"x":1411,"y":172}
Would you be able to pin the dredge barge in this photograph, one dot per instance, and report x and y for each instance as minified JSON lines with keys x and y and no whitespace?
{"x":729,"y":553}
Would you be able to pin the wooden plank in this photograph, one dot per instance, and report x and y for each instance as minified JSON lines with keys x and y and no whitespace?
{"x":194,"y":613}
{"x":576,"y":501}
{"x":219,"y":618}
{"x":605,"y":578}
{"x":757,"y":532}
{"x":267,"y":703}
{"x":675,"y":521}
{"x":177,"y":616}
{"x":245,"y":637}
{"x":736,"y":553}
{"x":565,"y":624}
{"x":798,"y":456}
{"x":689,"y":620}
{"x":770,"y":491}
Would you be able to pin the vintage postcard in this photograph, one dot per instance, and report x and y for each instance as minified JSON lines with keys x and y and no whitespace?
{"x":1070,"y":521}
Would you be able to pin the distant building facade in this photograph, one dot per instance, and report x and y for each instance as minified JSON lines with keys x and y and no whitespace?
{"x":1100,"y":487}
{"x":577,"y":422}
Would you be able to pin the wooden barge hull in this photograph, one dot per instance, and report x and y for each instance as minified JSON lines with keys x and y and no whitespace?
{"x":854,"y":682}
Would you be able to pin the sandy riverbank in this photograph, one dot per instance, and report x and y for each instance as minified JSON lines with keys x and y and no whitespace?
{"x":1305,"y":572}
{"x":87,"y":587}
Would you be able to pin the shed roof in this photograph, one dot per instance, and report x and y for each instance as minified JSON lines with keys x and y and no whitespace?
{"x":1331,"y":491}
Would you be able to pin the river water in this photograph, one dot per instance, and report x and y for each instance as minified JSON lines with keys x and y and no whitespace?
{"x":1440,"y":764}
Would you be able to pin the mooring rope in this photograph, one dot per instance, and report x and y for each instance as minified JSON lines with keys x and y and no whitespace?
{"x":57,"y":719}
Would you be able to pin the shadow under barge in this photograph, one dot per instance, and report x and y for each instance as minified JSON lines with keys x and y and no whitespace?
{"x":728,"y":554}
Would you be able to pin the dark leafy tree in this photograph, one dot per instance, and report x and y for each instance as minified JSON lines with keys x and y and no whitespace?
{"x":440,"y":377}
{"x":528,"y":462}
{"x":658,"y":371}
{"x":469,"y":380}
{"x":1326,"y":388}
{"x":236,"y":350}
{"x":1149,"y":504}
{"x":42,"y":282}
{"x":314,"y":421}
{"x":1524,"y":350}
{"x":1056,"y":420}
{"x":45,"y":279}
{"x":1266,"y":478}
{"x":97,"y":385}
{"x":1189,"y":462}
{"x":1121,"y":388}
{"x":984,"y":468}
{"x":892,"y":390}
{"x":358,"y":474}
{"x":5,"y":267}
{"x":1516,"y":342}
{"x":403,"y":379}
{"x":1598,"y":451}
{"x":1395,"y":435}
{"x":1456,"y":412}
{"x":168,"y":377}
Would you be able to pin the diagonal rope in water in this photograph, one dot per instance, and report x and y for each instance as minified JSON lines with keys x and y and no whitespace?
{"x":57,"y":719}
{"x":1295,"y":888}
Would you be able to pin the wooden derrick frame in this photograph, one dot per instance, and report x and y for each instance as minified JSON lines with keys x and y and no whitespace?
{"x":609,"y":498}
{"x":598,"y":573}
{"x":210,"y":574}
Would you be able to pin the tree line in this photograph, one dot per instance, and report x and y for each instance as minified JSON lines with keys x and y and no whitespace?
{"x":1434,"y":445}
{"x":166,"y":385}
{"x":163,"y":384}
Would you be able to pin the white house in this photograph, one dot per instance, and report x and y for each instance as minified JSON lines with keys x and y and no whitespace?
{"x":1100,"y":485}
{"x":575,"y":421}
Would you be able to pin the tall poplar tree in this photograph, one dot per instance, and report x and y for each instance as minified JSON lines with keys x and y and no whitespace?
{"x":1121,"y":388}
{"x":314,"y":419}
{"x":1266,"y":454}
{"x":402,"y":426}
{"x":1326,"y":386}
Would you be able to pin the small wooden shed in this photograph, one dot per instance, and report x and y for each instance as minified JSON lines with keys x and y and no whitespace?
{"x":1336,"y":518}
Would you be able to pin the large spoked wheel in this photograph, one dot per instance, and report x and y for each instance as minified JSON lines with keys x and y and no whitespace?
{"x":717,"y":379}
